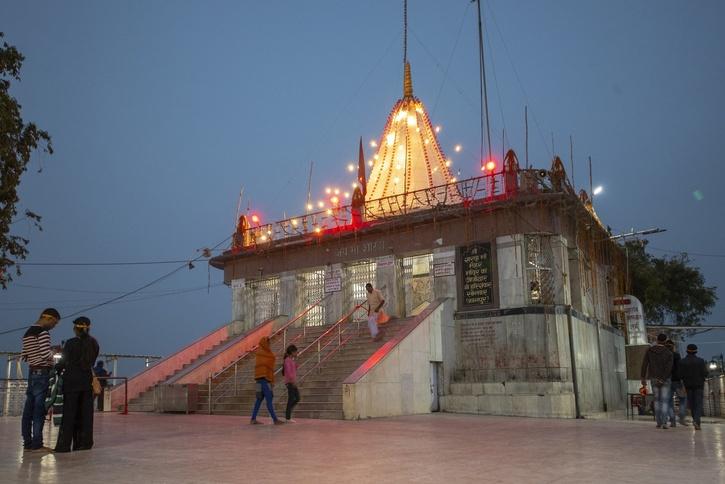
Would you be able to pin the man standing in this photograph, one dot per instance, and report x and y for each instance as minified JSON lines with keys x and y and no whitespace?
{"x":375,"y":302}
{"x":37,"y":352}
{"x":102,"y":374}
{"x":693,"y":373}
{"x":677,"y":388}
{"x":657,"y":366}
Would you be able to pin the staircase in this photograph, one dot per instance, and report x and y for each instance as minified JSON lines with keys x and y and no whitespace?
{"x":144,"y":402}
{"x":320,"y":387}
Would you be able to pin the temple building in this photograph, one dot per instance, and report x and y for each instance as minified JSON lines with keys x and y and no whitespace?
{"x":500,"y":285}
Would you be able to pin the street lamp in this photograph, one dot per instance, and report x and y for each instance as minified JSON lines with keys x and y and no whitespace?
{"x":713,"y":365}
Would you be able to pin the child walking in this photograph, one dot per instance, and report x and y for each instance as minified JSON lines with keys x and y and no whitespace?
{"x":289,"y":370}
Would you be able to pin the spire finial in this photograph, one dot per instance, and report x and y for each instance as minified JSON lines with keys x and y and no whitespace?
{"x":407,"y":82}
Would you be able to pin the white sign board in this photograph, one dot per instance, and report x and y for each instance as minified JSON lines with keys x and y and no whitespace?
{"x":444,"y":269}
{"x":385,"y":261}
{"x":634,"y":315}
{"x":237,"y":283}
{"x":333,"y":280}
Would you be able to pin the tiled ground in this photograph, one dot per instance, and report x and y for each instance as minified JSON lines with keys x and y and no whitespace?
{"x":446,"y":448}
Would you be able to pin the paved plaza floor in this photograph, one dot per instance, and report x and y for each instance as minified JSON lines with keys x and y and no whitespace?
{"x":438,"y":448}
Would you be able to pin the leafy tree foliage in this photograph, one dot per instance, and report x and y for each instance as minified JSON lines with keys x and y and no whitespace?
{"x":671,"y":290}
{"x":18,"y":141}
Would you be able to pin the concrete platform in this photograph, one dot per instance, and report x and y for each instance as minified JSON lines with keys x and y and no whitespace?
{"x":447,"y":448}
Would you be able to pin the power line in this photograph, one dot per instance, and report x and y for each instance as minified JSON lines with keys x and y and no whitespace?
{"x":91,"y":264}
{"x":130,"y":293}
{"x":698,"y":254}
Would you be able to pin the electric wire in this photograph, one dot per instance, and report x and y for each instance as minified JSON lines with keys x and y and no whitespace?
{"x":450,"y":59}
{"x":520,"y":83}
{"x":130,"y":293}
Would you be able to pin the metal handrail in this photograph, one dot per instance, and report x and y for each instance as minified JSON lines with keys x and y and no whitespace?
{"x":318,"y":341}
{"x":283,"y":330}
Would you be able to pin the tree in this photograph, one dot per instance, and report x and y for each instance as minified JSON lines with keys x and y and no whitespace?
{"x":18,"y":141}
{"x":671,"y":290}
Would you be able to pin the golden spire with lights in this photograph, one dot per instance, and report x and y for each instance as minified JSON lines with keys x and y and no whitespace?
{"x":408,"y":157}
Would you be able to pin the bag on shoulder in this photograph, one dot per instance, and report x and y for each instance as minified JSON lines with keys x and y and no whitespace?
{"x":96,"y":385}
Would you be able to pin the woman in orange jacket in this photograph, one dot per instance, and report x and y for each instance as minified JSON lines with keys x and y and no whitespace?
{"x":264,"y":376}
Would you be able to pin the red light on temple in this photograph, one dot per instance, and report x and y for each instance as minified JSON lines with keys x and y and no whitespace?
{"x":490,"y":166}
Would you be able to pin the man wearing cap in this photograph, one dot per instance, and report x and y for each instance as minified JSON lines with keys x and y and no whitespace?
{"x":39,"y":355}
{"x":79,"y":354}
{"x":693,"y":373}
{"x":657,"y":366}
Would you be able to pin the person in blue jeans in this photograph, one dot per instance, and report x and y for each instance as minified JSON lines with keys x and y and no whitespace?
{"x":38,"y":353}
{"x":657,"y":367}
{"x":677,"y":388}
{"x":264,"y":378}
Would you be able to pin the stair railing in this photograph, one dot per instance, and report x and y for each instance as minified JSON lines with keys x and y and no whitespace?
{"x":280,"y":331}
{"x":333,"y":335}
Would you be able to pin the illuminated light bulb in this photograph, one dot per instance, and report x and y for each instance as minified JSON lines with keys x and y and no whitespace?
{"x":354,"y":184}
{"x":337,"y":191}
{"x":453,"y":180}
{"x":396,"y":180}
{"x":329,"y":211}
{"x":417,"y":130}
{"x":375,"y":157}
{"x":294,"y":222}
{"x":490,"y":165}
{"x":328,"y":190}
{"x":390,"y":139}
{"x":598,"y":190}
{"x":435,"y":169}
{"x":373,"y":143}
{"x":419,"y":108}
{"x":347,"y":194}
{"x":263,"y":238}
{"x":412,"y":121}
{"x":457,"y":148}
{"x":437,"y":129}
{"x":269,"y":232}
{"x":334,"y":199}
{"x":426,"y":141}
{"x":255,"y":219}
{"x":310,"y":206}
{"x":317,"y":230}
{"x":448,"y":162}
{"x":320,"y":204}
{"x":350,"y":167}
{"x":370,"y":163}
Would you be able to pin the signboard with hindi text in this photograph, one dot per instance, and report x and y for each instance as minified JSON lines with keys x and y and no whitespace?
{"x":476,"y":277}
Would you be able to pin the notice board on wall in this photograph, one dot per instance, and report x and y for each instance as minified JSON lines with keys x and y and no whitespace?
{"x":476,"y":277}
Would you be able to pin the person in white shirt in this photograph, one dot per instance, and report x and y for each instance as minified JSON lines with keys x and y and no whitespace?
{"x":375,"y":303}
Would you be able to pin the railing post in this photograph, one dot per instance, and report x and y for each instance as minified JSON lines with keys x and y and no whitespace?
{"x":125,"y":396}
{"x":209,"y":400}
{"x":318,"y":352}
{"x":284,"y":339}
{"x":235,"y":379}
{"x":339,"y":336}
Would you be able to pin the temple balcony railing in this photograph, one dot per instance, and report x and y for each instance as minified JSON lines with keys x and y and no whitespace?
{"x":346,"y":218}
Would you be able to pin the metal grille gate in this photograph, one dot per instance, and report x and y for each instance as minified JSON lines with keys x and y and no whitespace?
{"x":539,"y":266}
{"x":265,"y":298}
{"x":313,"y":290}
{"x":358,"y":274}
{"x":417,"y":281}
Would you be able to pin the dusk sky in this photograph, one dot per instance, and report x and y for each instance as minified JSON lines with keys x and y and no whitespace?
{"x":161,"y":110}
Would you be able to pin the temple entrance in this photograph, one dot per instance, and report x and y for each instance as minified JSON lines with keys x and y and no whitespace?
{"x":358,"y":274}
{"x":313,"y":290}
{"x":417,"y":281}
{"x":265,"y":298}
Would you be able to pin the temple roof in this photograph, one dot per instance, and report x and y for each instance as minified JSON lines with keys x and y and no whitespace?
{"x":409,"y":157}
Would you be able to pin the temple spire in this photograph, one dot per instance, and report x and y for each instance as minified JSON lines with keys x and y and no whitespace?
{"x":407,"y":82}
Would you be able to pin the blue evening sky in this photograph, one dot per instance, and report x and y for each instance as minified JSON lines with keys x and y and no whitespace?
{"x":161,"y":110}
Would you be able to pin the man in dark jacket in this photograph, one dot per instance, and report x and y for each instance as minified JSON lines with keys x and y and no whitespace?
{"x":693,"y":373}
{"x":677,"y":388}
{"x":657,"y":366}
